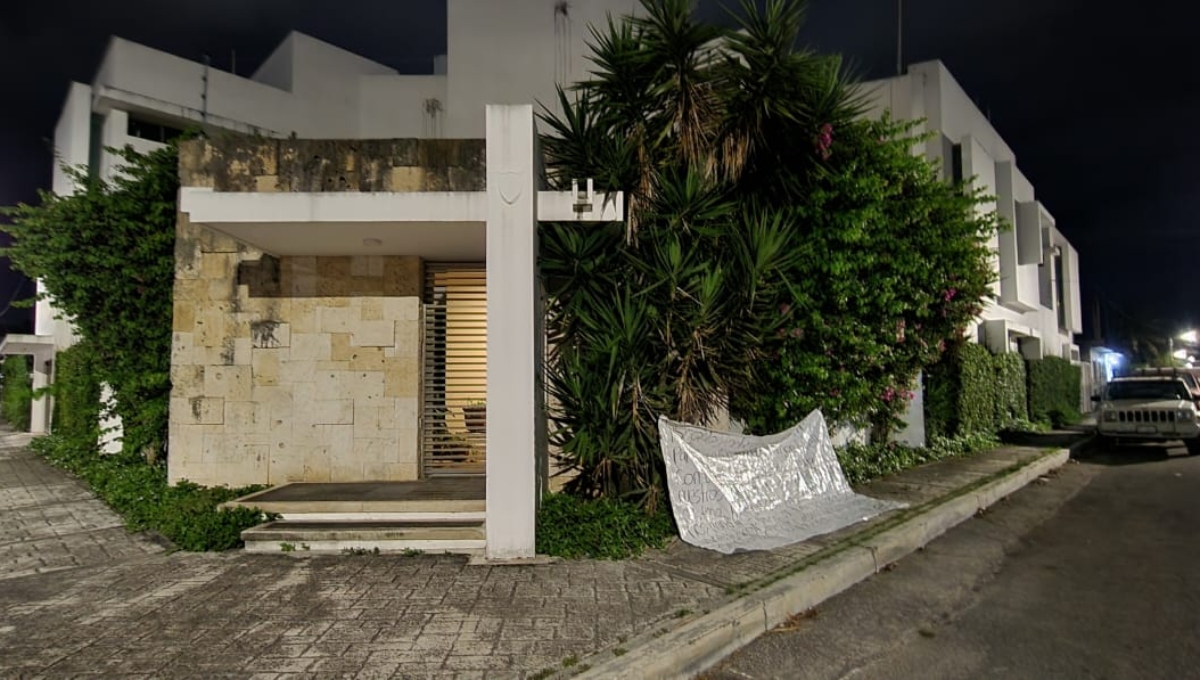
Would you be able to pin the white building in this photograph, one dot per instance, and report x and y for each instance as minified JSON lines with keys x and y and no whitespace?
{"x":329,"y":380}
{"x":1035,"y":304}
{"x":1035,"y":309}
{"x":514,"y":52}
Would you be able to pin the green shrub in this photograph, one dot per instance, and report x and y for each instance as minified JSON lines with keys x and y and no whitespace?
{"x":76,"y":392}
{"x":106,"y":253}
{"x":977,"y":393}
{"x":863,"y":462}
{"x":962,"y":392}
{"x":16,"y":392}
{"x":1012,"y":407}
{"x":602,"y":528}
{"x":186,"y":514}
{"x":1054,"y":391}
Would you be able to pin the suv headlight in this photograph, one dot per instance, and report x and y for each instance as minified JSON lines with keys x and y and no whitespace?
{"x":1186,"y":414}
{"x":1110,"y":416}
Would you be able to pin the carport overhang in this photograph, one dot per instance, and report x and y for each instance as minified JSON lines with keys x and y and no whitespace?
{"x":446,"y":226}
{"x":498,"y":226}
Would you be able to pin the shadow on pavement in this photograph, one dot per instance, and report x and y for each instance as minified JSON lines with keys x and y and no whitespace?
{"x":1134,"y":454}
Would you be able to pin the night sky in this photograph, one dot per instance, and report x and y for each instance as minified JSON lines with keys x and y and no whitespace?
{"x":1101,"y":107}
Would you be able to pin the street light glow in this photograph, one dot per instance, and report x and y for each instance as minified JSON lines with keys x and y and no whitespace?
{"x":1191,"y":337}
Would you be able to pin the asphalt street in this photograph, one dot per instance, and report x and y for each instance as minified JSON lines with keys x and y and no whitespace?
{"x":1093,"y":572}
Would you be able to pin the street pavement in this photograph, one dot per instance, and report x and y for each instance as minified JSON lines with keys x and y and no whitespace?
{"x":81,"y":597}
{"x":1094,"y":573}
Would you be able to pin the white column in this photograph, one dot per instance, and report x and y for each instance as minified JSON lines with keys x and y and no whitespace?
{"x":512,"y":492}
{"x":39,"y":412}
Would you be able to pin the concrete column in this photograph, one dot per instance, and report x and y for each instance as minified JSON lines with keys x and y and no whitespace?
{"x":111,"y":429}
{"x":39,"y":412}
{"x":512,"y":348}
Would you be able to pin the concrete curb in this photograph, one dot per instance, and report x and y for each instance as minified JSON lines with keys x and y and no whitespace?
{"x":698,"y":644}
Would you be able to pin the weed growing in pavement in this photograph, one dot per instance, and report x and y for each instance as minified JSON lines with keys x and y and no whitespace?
{"x":187,"y":514}
{"x":287,"y":547}
{"x":572,"y":660}
{"x":620,"y":651}
{"x":412,"y":552}
{"x":360,"y":552}
{"x":543,"y":674}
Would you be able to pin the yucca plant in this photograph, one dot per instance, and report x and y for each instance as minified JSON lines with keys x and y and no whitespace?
{"x":724,"y":143}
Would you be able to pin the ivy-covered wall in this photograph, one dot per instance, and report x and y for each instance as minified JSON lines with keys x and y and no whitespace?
{"x":972,"y":391}
{"x":16,"y":392}
{"x":1054,"y":391}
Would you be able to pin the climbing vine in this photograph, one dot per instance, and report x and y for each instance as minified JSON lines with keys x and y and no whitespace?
{"x":106,"y":256}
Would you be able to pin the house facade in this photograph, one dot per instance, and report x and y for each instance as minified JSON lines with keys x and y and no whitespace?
{"x":307,"y":88}
{"x":1035,"y":306}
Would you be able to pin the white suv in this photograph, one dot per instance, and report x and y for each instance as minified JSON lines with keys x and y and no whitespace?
{"x":1149,"y":409}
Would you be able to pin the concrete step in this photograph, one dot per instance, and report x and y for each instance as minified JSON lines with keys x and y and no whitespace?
{"x":423,"y":500}
{"x":462,"y":536}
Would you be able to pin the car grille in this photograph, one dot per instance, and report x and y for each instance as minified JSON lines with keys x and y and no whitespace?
{"x":1146,"y":416}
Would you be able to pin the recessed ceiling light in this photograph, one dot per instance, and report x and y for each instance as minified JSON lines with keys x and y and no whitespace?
{"x":372,"y":242}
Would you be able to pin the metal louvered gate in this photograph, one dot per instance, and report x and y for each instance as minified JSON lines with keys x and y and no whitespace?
{"x":454,"y":408}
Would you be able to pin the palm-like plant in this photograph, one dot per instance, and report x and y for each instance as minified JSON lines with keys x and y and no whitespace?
{"x":706,"y":130}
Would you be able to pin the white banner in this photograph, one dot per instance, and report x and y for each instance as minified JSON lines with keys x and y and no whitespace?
{"x":734,"y":492}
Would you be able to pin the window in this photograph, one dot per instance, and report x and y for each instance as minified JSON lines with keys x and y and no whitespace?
{"x":1147,"y":389}
{"x":152,"y":131}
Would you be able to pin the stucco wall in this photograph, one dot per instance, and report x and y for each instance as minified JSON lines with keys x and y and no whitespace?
{"x":300,"y":368}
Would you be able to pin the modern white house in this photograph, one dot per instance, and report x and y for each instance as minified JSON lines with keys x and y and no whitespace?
{"x":355,"y":291}
{"x":1035,"y":307}
{"x":310,"y":89}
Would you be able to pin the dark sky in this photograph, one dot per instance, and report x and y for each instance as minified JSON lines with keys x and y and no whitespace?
{"x":1100,"y":104}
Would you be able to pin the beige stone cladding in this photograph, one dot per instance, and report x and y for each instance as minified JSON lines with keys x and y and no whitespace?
{"x":301,"y":368}
{"x":315,"y":378}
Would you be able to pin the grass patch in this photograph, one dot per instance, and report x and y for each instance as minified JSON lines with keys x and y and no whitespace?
{"x":572,"y":527}
{"x":186,"y":513}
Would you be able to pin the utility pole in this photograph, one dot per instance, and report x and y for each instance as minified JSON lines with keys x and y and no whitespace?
{"x":899,"y":37}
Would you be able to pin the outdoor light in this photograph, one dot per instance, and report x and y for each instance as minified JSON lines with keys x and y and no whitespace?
{"x":1191,"y":337}
{"x":1180,"y":354}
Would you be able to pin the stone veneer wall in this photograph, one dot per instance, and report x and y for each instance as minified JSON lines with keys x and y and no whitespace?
{"x":301,"y":368}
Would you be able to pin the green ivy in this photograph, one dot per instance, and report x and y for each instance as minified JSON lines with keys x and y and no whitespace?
{"x":974,"y":391}
{"x":106,"y":255}
{"x":76,"y":392}
{"x":16,"y":392}
{"x":602,"y":528}
{"x":1012,"y":402}
{"x":1055,"y":386}
{"x":186,"y":514}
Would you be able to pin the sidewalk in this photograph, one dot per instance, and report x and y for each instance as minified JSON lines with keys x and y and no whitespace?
{"x":79,"y":597}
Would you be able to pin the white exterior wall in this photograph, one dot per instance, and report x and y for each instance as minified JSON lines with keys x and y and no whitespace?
{"x":1023,"y":257}
{"x":511,"y":52}
{"x":395,"y":106}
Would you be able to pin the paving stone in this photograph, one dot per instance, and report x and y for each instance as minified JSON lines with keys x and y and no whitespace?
{"x":119,"y":605}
